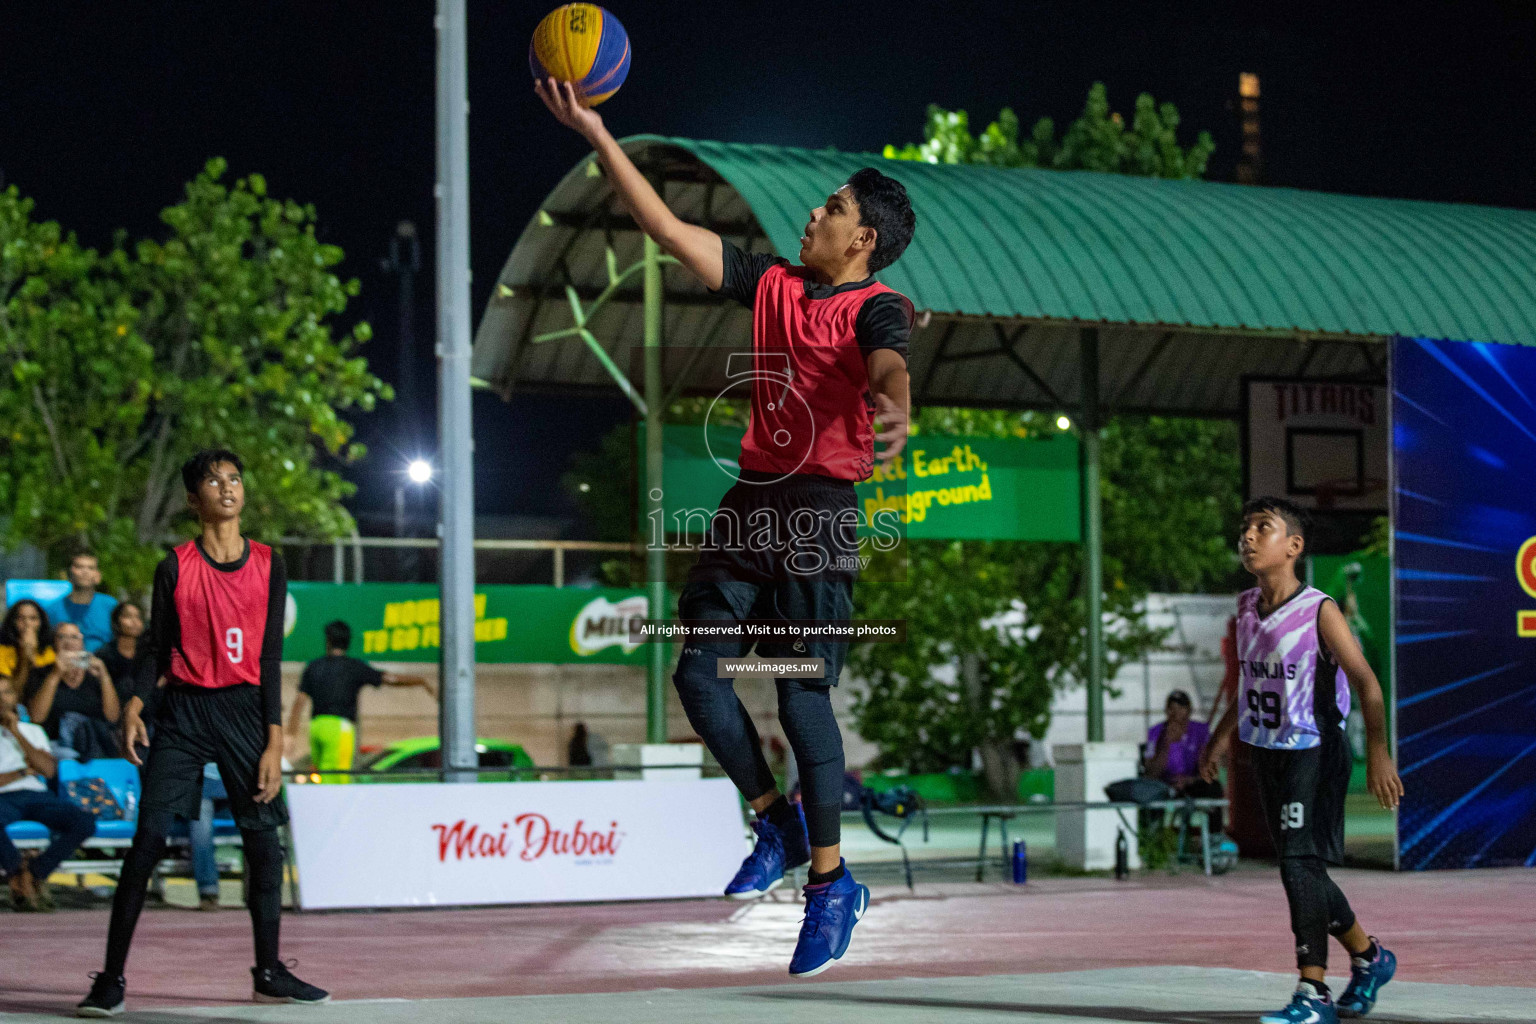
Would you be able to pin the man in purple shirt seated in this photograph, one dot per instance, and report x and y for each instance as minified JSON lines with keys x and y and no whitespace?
{"x":1173,"y":753}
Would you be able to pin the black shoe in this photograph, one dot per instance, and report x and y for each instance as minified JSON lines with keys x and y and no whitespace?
{"x":106,"y":998}
{"x":278,"y":985}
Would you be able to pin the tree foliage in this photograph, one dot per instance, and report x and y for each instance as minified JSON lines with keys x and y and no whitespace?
{"x":121,"y":364}
{"x":1098,"y":140}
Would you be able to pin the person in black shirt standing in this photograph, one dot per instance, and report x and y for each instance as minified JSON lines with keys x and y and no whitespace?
{"x":331,"y":685}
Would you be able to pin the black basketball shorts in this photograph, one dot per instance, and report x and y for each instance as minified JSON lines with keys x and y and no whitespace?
{"x":195,"y":725}
{"x":1302,"y":795}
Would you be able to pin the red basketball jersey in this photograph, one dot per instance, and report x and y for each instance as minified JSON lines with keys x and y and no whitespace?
{"x":223,"y":618}
{"x":811,"y":403}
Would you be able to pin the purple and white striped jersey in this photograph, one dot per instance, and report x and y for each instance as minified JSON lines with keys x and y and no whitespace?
{"x":1290,"y":689}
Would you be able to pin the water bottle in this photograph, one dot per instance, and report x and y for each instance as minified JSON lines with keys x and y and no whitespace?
{"x":1020,"y":862}
{"x":1122,"y":857}
{"x":131,"y":812}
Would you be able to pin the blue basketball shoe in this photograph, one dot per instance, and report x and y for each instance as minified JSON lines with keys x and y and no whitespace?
{"x":774,"y":854}
{"x":1307,"y":1006}
{"x":1365,"y":980}
{"x":831,"y":911}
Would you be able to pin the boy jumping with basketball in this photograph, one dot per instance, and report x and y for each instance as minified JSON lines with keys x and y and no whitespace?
{"x":829,"y":355}
{"x":1294,"y":648}
{"x":218,"y":628}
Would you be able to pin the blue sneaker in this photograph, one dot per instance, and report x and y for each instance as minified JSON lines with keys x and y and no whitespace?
{"x":1365,"y":980}
{"x":774,"y":854}
{"x":831,"y":911}
{"x":1307,"y":1006}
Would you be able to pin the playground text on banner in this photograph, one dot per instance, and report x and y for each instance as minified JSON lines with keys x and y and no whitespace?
{"x":941,"y":487}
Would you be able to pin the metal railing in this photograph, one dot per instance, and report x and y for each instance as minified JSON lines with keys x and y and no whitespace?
{"x":510,"y":773}
{"x":356,"y":545}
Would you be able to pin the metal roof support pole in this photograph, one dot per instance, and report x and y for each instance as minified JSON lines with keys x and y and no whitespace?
{"x":652,"y":407}
{"x":1093,"y":529}
{"x":655,"y":555}
{"x":455,"y":438}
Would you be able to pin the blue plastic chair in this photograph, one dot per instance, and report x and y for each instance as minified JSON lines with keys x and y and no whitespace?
{"x":20,"y":831}
{"x":121,"y":777}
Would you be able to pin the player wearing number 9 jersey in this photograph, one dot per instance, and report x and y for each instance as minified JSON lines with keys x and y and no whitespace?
{"x":217,"y":624}
{"x":1296,"y":658}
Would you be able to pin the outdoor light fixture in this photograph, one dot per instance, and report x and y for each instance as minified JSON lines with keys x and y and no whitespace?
{"x":420,"y":471}
{"x":1062,"y":423}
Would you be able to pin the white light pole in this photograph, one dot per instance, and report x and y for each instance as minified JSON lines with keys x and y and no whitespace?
{"x":456,"y":724}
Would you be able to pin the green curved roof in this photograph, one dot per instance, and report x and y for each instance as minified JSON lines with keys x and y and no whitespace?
{"x":1191,"y":285}
{"x":1107,"y":248}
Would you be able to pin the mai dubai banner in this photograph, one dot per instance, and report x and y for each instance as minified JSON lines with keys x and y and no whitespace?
{"x":513,"y":624}
{"x":1463,"y":440}
{"x":942,"y":487}
{"x":418,"y":845}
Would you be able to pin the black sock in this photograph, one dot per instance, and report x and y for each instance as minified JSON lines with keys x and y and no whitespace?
{"x":1320,"y":986}
{"x":815,"y":877}
{"x":1371,"y":952}
{"x":781,"y":815}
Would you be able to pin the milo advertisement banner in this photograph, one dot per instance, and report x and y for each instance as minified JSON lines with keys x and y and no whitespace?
{"x":513,"y":624}
{"x":941,"y":487}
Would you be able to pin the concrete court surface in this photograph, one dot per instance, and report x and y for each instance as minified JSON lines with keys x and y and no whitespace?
{"x":1136,"y":995}
{"x":1179,"y":949}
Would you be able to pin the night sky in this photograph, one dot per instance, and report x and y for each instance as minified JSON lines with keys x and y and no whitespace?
{"x":106,"y":110}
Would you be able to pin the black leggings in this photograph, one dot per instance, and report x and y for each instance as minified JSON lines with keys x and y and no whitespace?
{"x":1318,"y":908}
{"x":264,"y":888}
{"x":805,"y":712}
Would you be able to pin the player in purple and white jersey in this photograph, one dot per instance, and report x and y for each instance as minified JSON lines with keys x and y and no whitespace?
{"x":1296,"y":658}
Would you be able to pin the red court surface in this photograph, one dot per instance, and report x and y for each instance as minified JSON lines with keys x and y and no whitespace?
{"x":1473,"y":927}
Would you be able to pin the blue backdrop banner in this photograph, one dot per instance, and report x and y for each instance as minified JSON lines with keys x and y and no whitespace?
{"x":1464,"y":443}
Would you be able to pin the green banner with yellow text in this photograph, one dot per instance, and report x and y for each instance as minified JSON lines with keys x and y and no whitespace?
{"x":513,"y":624}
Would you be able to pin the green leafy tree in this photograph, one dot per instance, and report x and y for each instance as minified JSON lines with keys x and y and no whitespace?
{"x":1098,"y":140}
{"x":122,"y":364}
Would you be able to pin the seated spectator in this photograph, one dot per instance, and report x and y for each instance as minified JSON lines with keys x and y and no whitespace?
{"x":24,"y":763}
{"x":88,"y":610}
{"x":1173,"y":753}
{"x":26,"y":642}
{"x":128,"y":658}
{"x":74,"y":699}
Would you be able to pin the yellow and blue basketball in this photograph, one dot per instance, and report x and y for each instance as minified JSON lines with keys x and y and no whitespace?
{"x":583,"y":44}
